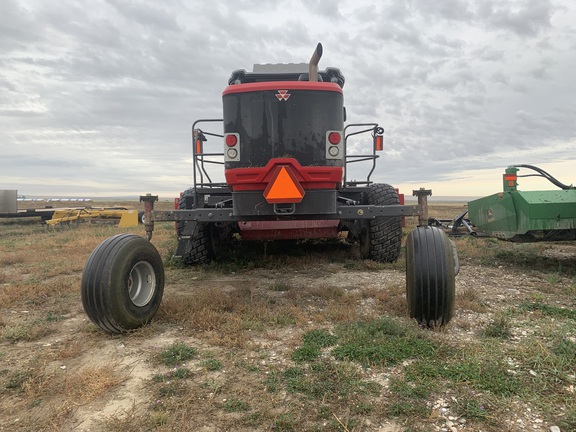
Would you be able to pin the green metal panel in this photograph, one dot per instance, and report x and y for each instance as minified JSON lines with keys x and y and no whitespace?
{"x":545,"y":210}
{"x":516,"y":213}
{"x":494,"y":214}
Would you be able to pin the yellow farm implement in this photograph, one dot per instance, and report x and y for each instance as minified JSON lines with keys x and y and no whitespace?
{"x":124,"y":218}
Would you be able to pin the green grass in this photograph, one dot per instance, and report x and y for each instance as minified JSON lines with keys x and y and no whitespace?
{"x":212,"y":364}
{"x":177,"y":354}
{"x":524,"y":256}
{"x":306,"y":353}
{"x":235,"y":405}
{"x":319,"y":338}
{"x":549,"y":311}
{"x":383,"y":342}
{"x":471,"y":408}
{"x":280,"y":286}
{"x":176,"y":374}
{"x":285,"y":422}
{"x":14,"y":380}
{"x":500,"y":327}
{"x":324,"y":380}
{"x":312,"y":343}
{"x":407,"y":409}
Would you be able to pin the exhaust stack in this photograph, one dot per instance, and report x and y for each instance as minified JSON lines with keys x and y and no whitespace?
{"x":313,"y":65}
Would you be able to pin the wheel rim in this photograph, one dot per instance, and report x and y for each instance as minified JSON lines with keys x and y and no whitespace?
{"x":141,"y":283}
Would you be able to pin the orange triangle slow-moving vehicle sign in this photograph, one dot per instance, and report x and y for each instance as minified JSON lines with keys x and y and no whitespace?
{"x":283,"y":187}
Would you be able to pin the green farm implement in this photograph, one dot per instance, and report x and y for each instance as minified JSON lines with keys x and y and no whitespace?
{"x":520,"y":216}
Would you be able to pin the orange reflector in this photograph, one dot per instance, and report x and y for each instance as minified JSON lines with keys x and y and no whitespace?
{"x":283,"y":187}
{"x":379,"y":142}
{"x":198,"y":146}
{"x":511,"y":183}
{"x":510,"y":177}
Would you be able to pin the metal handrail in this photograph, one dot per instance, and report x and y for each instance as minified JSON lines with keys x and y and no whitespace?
{"x":198,"y":167}
{"x":369,"y":127}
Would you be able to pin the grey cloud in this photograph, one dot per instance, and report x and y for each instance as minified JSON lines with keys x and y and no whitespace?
{"x":26,"y":161}
{"x":500,"y":77}
{"x":7,"y":85}
{"x":148,"y":14}
{"x":540,"y":72}
{"x":324,"y":8}
{"x":524,"y":18}
{"x":403,"y":34}
{"x":17,"y":26}
{"x":519,"y":87}
{"x":452,"y":79}
{"x":452,"y":10}
{"x":391,"y":11}
{"x":443,"y":41}
{"x":489,"y":54}
{"x":535,"y":127}
{"x":18,"y":113}
{"x":453,"y":84}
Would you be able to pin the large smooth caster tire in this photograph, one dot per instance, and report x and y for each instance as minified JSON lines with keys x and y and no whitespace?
{"x":381,"y":238}
{"x":122,"y":283}
{"x":431,"y":267}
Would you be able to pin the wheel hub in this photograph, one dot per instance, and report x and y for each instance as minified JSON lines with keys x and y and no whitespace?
{"x":141,"y":283}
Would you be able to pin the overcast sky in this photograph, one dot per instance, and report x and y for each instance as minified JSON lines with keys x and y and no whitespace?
{"x":97,"y":97}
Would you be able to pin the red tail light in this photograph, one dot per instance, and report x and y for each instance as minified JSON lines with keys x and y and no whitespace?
{"x":334,"y":138}
{"x":231,"y":140}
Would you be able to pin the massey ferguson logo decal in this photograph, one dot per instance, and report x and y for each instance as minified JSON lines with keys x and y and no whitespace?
{"x":282,"y":95}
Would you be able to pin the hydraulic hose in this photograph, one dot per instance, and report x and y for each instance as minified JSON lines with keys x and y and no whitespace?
{"x":542,"y":173}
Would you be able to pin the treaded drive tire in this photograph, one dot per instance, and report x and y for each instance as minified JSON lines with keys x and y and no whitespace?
{"x":200,"y":252}
{"x":430,"y":276}
{"x":381,"y":238}
{"x":122,"y":283}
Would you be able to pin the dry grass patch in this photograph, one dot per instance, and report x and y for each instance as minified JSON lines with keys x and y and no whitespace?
{"x":231,"y":336}
{"x":319,"y":295}
{"x":185,"y":311}
{"x":132,"y":420}
{"x":469,"y":299}
{"x":337,"y":313}
{"x":392,"y":299}
{"x":228,"y":317}
{"x":91,"y":382}
{"x":70,"y":349}
{"x":262,"y":315}
{"x":479,"y":250}
{"x":204,"y":309}
{"x":8,"y":259}
{"x":55,"y":294}
{"x":51,"y":398}
{"x":28,"y":330}
{"x":327,"y":292}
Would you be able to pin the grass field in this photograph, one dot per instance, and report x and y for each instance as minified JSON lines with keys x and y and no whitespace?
{"x":301,"y":338}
